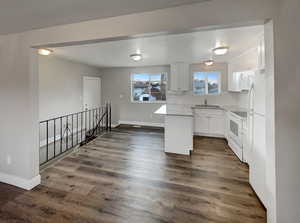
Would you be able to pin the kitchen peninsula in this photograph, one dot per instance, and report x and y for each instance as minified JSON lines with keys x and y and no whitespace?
{"x":179,"y":128}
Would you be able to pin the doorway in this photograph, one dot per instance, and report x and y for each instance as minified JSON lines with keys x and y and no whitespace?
{"x":91,"y":92}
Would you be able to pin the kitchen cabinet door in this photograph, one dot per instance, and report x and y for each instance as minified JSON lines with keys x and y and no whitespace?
{"x":216,"y":125}
{"x":240,"y":81}
{"x":234,"y":82}
{"x":180,"y":77}
{"x":184,"y":77}
{"x":201,"y":124}
{"x":178,"y":134}
{"x":174,"y":77}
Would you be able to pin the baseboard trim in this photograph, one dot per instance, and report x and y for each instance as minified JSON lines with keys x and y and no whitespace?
{"x":151,"y":124}
{"x":20,"y":182}
{"x":115,"y":125}
{"x":209,"y":135}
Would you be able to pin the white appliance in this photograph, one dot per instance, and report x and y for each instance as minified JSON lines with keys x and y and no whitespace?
{"x":257,"y":135}
{"x":235,"y":135}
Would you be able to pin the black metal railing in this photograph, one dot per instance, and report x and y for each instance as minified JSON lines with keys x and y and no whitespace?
{"x":59,"y":135}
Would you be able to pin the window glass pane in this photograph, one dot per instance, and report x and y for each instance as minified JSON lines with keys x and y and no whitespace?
{"x":163,"y":87}
{"x":141,"y":77}
{"x":140,"y":87}
{"x":213,"y":82}
{"x":155,"y":87}
{"x":149,"y":87}
{"x":199,"y":83}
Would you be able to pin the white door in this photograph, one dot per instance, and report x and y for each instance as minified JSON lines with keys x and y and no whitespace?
{"x":91,"y":92}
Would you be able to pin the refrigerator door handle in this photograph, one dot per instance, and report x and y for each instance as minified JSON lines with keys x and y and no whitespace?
{"x":249,"y":97}
{"x":250,"y":122}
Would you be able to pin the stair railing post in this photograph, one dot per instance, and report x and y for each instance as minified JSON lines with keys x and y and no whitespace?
{"x":109,"y":116}
{"x":106,"y":111}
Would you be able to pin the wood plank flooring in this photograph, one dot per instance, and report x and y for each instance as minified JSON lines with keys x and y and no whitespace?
{"x":124,"y":176}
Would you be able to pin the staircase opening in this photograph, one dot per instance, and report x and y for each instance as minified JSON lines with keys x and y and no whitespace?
{"x":60,"y":135}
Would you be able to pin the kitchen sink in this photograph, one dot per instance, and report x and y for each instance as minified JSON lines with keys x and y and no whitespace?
{"x":208,"y":106}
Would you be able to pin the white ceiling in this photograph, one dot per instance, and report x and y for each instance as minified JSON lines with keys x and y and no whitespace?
{"x":23,"y":15}
{"x":160,"y":50}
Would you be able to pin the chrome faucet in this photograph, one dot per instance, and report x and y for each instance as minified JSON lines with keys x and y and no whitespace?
{"x":205,"y":101}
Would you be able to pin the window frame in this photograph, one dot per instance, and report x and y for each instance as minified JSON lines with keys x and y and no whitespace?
{"x":206,"y":83}
{"x":147,"y":102}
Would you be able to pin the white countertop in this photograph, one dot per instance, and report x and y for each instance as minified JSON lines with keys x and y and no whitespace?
{"x":234,"y":108}
{"x":174,"y":109}
{"x":187,"y":110}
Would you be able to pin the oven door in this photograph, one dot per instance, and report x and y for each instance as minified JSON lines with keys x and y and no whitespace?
{"x":235,"y":130}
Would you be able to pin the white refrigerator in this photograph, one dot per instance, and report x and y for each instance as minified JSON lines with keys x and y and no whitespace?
{"x":257,"y":136}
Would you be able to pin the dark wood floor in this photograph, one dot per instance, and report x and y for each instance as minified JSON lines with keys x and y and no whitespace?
{"x":125,"y":176}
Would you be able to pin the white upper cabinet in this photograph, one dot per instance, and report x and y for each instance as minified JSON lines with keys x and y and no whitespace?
{"x":241,"y":69}
{"x":233,"y":81}
{"x":240,"y":81}
{"x":179,"y":77}
{"x":246,"y":79}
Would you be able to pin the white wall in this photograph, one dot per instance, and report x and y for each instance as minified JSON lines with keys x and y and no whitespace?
{"x":116,"y":82}
{"x":19,"y":162}
{"x":287,"y":110}
{"x":61,"y":86}
{"x":270,"y":123}
{"x":225,"y":98}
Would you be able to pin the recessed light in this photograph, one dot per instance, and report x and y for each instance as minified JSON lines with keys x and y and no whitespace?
{"x":222,"y":50}
{"x":209,"y":62}
{"x":45,"y":52}
{"x":136,"y":56}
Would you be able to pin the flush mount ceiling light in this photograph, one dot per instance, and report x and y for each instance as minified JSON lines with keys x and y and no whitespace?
{"x":222,"y":50}
{"x":136,"y":56}
{"x":209,"y":62}
{"x":45,"y":52}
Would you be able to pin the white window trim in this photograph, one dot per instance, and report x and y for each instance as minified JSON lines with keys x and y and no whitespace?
{"x":147,"y":102}
{"x":206,"y":83}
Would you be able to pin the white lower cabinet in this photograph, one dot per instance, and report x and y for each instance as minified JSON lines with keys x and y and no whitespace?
{"x":216,"y":125}
{"x":201,"y":123}
{"x":209,"y":122}
{"x":178,"y":134}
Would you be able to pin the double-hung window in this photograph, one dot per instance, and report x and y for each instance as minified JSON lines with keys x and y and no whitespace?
{"x":205,"y":83}
{"x":147,"y":87}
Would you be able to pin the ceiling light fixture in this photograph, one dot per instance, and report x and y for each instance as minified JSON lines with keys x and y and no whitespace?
{"x":45,"y":52}
{"x":209,"y":62}
{"x":136,"y":56}
{"x":222,"y":50}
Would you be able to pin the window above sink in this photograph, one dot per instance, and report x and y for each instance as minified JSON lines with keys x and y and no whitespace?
{"x":207,"y":83}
